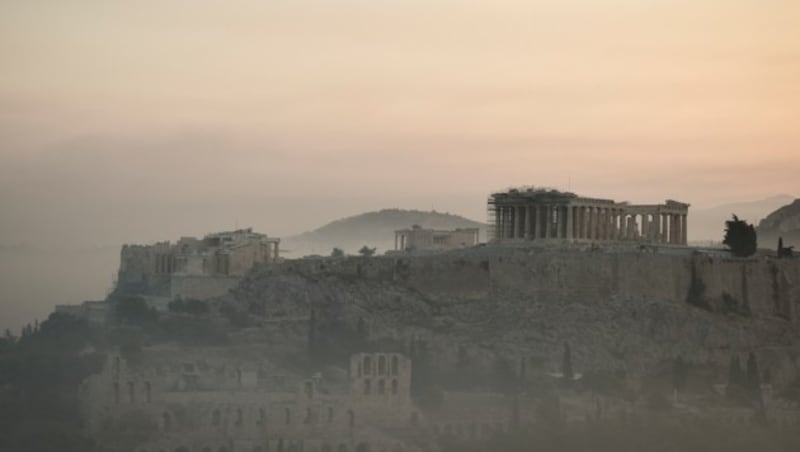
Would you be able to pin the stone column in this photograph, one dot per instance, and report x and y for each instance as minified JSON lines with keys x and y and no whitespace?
{"x":658,"y":231}
{"x":570,"y":222}
{"x":560,"y":222}
{"x":664,"y":228}
{"x":509,"y":229}
{"x":529,"y":219}
{"x":600,"y":228}
{"x":630,"y":230}
{"x":498,"y":223}
{"x":645,"y":226}
{"x":671,"y":239}
{"x":519,"y":216}
{"x":512,"y":222}
{"x":581,"y":222}
{"x":684,"y":230}
{"x":548,"y":221}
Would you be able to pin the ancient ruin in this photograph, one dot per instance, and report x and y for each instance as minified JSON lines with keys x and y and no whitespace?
{"x":191,"y":267}
{"x":418,"y":238}
{"x":539,"y":214}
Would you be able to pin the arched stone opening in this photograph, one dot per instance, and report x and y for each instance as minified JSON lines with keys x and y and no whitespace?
{"x":381,"y":365}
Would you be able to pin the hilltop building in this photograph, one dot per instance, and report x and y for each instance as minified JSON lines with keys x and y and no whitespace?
{"x":418,"y":238}
{"x":193,"y":268}
{"x":538,"y":214}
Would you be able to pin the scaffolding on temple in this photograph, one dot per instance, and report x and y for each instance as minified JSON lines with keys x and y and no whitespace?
{"x":491,"y":218}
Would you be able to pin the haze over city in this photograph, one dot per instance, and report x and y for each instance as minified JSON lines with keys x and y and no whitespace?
{"x":143,"y":121}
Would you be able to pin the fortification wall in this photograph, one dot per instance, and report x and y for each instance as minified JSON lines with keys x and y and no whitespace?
{"x":769,"y":287}
{"x":627,"y":308}
{"x":201,"y":287}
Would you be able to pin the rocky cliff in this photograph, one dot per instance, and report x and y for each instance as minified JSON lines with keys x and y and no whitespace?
{"x":784,"y":222}
{"x":619,"y":309}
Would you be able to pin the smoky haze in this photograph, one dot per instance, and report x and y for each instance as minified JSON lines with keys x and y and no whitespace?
{"x":131,"y":124}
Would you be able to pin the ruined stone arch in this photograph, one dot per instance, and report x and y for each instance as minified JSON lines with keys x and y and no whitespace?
{"x":395,"y":365}
{"x":381,"y":365}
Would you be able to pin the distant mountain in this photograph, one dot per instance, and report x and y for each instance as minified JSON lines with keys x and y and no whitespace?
{"x":374,"y":229}
{"x":784,"y":222}
{"x":709,"y":224}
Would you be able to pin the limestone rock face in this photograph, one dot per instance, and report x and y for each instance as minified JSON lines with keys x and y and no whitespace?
{"x":784,"y":222}
{"x":628,"y":310}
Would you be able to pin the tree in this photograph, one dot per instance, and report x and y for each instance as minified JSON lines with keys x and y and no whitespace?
{"x":366,"y":251}
{"x":135,"y":311}
{"x":740,"y":237}
{"x":337,"y":253}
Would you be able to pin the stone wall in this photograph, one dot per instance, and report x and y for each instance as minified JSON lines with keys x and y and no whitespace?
{"x":201,"y":286}
{"x":622,"y":308}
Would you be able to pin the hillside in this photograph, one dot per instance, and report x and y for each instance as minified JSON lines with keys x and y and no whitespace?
{"x":784,"y":222}
{"x":630,"y":310}
{"x":709,"y":224}
{"x":375,"y":229}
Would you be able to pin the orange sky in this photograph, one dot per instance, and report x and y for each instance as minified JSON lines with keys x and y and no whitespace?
{"x":137,"y":121}
{"x":326,"y":108}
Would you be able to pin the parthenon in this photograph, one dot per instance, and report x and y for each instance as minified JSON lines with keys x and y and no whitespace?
{"x":540,"y":214}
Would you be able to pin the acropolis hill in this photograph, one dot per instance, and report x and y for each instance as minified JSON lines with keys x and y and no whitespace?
{"x":620,"y":308}
{"x":247,"y":350}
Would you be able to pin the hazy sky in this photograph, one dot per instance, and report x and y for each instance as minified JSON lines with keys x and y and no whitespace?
{"x":143,"y":120}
